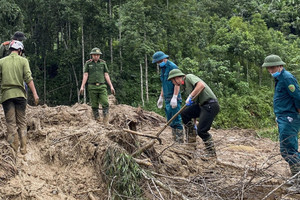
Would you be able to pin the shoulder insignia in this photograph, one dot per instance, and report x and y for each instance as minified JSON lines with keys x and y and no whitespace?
{"x":292,"y":88}
{"x":102,"y":60}
{"x":90,"y":60}
{"x":6,"y":43}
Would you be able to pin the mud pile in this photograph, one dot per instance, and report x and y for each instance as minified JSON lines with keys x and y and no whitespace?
{"x":68,"y":152}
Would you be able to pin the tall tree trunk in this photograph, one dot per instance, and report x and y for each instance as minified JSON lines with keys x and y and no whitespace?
{"x":120,"y":38}
{"x":146,"y":71}
{"x":45,"y":78}
{"x":146,"y":78}
{"x":111,"y":39}
{"x":82,"y":44}
{"x":71,"y":90}
{"x":74,"y":72}
{"x":142,"y":90}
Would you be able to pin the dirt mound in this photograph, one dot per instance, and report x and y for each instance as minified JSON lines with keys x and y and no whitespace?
{"x":72,"y":156}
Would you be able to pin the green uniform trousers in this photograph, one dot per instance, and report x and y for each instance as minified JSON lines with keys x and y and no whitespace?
{"x":98,"y":95}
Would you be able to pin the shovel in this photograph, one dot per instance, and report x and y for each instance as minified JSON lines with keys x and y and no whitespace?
{"x":147,"y":146}
{"x":174,"y":116}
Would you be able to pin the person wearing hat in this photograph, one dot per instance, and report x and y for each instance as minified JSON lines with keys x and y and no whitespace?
{"x":286,"y":104}
{"x":4,"y":47}
{"x":170,"y":94}
{"x":95,"y":73}
{"x":205,"y":107}
{"x":14,"y":71}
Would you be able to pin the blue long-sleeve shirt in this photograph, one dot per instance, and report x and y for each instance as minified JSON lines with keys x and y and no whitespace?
{"x":287,"y":95}
{"x":168,"y":86}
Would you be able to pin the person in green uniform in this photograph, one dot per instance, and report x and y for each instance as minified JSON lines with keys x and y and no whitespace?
{"x":95,"y":73}
{"x":205,"y":107}
{"x":14,"y":71}
{"x":4,"y":47}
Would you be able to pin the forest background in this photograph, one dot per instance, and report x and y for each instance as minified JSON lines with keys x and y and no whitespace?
{"x":224,"y":42}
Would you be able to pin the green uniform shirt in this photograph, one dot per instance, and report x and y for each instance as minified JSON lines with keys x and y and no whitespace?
{"x":14,"y":70}
{"x":190,"y":82}
{"x":96,"y":71}
{"x":4,"y":49}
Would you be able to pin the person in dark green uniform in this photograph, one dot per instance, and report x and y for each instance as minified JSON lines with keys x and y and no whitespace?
{"x":95,"y":73}
{"x":286,"y":103}
{"x":205,"y":107}
{"x":14,"y":71}
{"x":4,"y":47}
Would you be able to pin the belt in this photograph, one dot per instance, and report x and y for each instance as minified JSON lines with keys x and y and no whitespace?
{"x":210,"y":101}
{"x":96,"y":83}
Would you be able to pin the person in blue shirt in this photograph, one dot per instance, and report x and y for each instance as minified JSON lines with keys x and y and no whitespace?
{"x":170,"y":94}
{"x":286,"y":103}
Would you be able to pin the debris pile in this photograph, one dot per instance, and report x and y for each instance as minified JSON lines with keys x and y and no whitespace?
{"x":72,"y":156}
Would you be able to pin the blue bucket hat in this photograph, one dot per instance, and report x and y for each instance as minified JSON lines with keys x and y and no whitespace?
{"x":159,"y":55}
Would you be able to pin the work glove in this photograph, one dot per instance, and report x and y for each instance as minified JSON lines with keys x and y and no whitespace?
{"x":160,"y":102}
{"x":189,"y":101}
{"x":174,"y":101}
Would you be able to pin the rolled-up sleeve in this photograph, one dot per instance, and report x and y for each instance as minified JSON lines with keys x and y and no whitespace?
{"x":27,"y":72}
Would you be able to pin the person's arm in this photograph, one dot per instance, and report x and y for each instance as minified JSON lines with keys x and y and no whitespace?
{"x":107,"y":78}
{"x":84,"y":79}
{"x":176,"y":90}
{"x":33,"y":90}
{"x":2,"y":49}
{"x":161,"y":92}
{"x":160,"y":100}
{"x":198,"y":88}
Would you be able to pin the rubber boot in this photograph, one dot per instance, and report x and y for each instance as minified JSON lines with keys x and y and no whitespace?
{"x":105,"y":119}
{"x":13,"y":140}
{"x":177,"y":135}
{"x":210,"y":147}
{"x":190,"y":134}
{"x":294,"y":171}
{"x":23,"y":148}
{"x":23,"y":137}
{"x":295,"y":188}
{"x":105,"y":116}
{"x":96,"y":114}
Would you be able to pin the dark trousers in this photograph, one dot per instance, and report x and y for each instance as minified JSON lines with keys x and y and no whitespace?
{"x":206,"y":113}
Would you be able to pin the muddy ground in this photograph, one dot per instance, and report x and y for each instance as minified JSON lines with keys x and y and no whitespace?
{"x":66,"y":149}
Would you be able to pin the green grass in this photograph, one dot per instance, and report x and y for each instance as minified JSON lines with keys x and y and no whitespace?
{"x":271,"y":132}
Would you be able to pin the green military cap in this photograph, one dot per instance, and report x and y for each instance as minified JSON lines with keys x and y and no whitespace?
{"x":175,"y":73}
{"x":95,"y":51}
{"x":273,"y":60}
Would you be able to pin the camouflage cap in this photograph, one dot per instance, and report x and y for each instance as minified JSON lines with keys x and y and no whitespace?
{"x":95,"y":51}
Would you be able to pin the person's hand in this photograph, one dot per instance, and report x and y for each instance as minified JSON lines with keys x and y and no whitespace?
{"x":174,"y":101}
{"x":36,"y":100}
{"x":81,"y":91}
{"x":160,"y":102}
{"x":189,"y":101}
{"x":112,"y":90}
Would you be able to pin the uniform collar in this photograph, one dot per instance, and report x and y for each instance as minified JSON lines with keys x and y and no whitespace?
{"x":14,"y":53}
